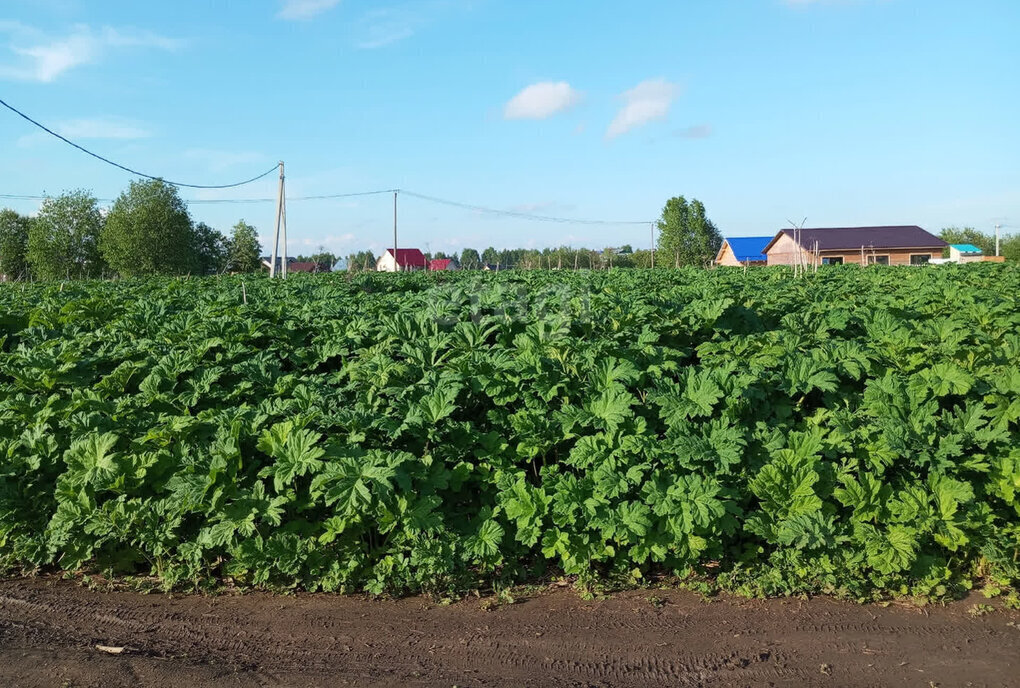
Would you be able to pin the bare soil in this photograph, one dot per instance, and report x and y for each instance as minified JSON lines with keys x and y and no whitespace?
{"x":50,"y":630}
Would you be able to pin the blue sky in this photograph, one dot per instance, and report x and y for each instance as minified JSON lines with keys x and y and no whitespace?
{"x":846,"y":112}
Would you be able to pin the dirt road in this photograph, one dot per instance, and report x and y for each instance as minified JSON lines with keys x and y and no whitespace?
{"x":49,"y":631}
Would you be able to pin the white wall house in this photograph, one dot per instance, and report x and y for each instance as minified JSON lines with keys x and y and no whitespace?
{"x":406,"y":260}
{"x":965,"y":253}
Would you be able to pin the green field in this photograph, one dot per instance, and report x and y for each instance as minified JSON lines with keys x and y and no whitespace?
{"x":852,"y":432}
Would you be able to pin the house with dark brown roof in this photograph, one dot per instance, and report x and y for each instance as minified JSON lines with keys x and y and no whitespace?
{"x":294,"y":265}
{"x":894,"y":245}
{"x":307,"y":266}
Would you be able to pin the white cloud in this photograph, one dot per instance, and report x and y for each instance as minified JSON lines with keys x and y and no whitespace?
{"x":90,"y":128}
{"x":542,"y":100}
{"x":385,"y":26}
{"x":382,"y":27}
{"x":329,"y":241}
{"x":648,"y":101}
{"x":133,"y":38}
{"x":305,"y":9}
{"x":47,"y":62}
{"x":43,"y":58}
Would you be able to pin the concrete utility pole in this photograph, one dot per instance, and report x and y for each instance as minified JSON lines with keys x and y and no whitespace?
{"x":801,"y":250}
{"x":653,"y":243}
{"x":997,"y":226}
{"x":281,"y":220}
{"x":396,"y":263}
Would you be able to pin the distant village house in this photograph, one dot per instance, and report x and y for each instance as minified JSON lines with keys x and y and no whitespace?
{"x":293,"y":265}
{"x":441,"y":264}
{"x":737,"y":251}
{"x":405,"y":260}
{"x":965,"y":253}
{"x":894,"y":245}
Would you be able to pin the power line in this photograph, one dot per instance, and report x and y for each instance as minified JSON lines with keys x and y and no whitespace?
{"x":23,"y":197}
{"x":128,"y":169}
{"x":423,"y":197}
{"x":519,"y":215}
{"x":431,"y":199}
{"x":412,"y":194}
{"x":216,"y":201}
{"x":289,"y":198}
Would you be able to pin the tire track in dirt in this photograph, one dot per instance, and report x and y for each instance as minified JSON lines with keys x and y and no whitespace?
{"x":49,"y":630}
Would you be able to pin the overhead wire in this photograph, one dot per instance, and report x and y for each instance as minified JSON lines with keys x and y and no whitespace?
{"x":518,"y":214}
{"x":128,"y":169}
{"x":291,"y":198}
{"x":210,"y":201}
{"x":412,"y":194}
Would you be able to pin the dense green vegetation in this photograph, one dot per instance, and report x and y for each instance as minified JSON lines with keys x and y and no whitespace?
{"x":147,"y":231}
{"x":854,"y":431}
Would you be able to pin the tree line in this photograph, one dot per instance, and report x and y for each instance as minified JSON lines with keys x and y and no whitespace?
{"x":685,"y":236}
{"x":147,"y":231}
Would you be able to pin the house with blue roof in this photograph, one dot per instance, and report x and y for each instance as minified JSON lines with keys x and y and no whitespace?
{"x":737,"y":251}
{"x":965,"y":253}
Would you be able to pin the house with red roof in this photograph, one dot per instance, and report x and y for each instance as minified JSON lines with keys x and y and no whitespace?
{"x":440,"y":264}
{"x":403,"y":260}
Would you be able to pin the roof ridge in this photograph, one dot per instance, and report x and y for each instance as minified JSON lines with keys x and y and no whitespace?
{"x":820,"y":229}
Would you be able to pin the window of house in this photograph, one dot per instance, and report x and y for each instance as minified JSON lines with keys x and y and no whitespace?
{"x":878,"y":260}
{"x":832,"y":260}
{"x":920,"y":258}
